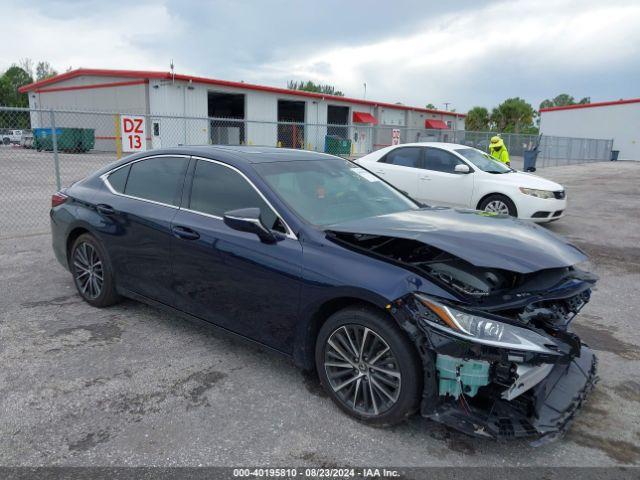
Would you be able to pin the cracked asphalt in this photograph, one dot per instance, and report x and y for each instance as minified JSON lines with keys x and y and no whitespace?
{"x":130,"y":385}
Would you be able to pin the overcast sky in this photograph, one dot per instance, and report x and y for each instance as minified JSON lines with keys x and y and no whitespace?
{"x":414,"y":52}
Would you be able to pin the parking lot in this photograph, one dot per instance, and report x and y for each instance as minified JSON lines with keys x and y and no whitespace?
{"x":130,"y":385}
{"x":28,"y":180}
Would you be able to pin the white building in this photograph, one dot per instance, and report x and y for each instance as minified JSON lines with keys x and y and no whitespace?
{"x":251,"y":112}
{"x":619,"y":120}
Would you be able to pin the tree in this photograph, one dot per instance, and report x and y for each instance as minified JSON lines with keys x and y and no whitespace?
{"x":310,"y":86}
{"x":546,"y":104}
{"x":477,"y":119}
{"x":514,"y":115}
{"x":563,"y":100}
{"x":44,"y":70}
{"x":27,"y":65}
{"x":14,"y":78}
{"x":10,"y":81}
{"x":430,"y":106}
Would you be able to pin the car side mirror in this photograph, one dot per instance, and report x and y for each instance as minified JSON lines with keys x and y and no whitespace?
{"x":462,"y":168}
{"x":248,"y":220}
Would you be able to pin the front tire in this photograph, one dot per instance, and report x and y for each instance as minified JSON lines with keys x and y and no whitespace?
{"x":91,"y":272}
{"x":368,"y":366}
{"x":499,"y":204}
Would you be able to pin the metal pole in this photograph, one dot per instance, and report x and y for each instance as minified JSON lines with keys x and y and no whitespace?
{"x":116,"y":120}
{"x":54,"y":139}
{"x":184,"y":113}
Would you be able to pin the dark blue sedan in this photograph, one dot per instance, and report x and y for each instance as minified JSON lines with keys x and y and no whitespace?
{"x":397,"y":306}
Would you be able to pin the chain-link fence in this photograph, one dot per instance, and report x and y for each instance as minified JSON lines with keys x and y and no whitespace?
{"x":43,"y":150}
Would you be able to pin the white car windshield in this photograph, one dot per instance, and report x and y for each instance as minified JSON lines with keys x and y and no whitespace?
{"x":330,"y":191}
{"x":483,"y":161}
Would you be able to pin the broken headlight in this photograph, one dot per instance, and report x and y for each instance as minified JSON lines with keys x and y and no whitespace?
{"x":479,"y":329}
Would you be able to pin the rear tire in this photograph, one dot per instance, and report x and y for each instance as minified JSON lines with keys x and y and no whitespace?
{"x":500,"y":204}
{"x":91,"y":270}
{"x":368,"y":366}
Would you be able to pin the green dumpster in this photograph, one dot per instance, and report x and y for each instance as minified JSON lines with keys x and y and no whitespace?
{"x":68,"y":139}
{"x":336,"y":145}
{"x":88,"y":140}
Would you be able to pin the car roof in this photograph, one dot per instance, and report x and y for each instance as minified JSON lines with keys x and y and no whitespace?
{"x":442,"y":145}
{"x":377,"y":154}
{"x":246,"y":153}
{"x":234,"y":155}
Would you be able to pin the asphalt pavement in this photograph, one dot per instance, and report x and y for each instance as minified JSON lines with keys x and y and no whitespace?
{"x":130,"y":385}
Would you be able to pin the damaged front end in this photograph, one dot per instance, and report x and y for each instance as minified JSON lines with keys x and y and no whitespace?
{"x":499,"y":358}
{"x":495,"y":376}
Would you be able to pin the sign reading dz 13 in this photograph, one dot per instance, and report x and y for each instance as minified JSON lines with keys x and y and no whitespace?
{"x":133,"y":131}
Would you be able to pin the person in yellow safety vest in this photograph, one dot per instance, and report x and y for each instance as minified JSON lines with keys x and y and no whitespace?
{"x":498,"y":150}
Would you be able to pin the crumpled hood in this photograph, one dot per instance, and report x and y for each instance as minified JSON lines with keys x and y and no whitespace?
{"x":482,"y":240}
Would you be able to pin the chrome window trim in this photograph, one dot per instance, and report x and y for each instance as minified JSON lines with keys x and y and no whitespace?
{"x":105,"y":179}
{"x":289,"y":233}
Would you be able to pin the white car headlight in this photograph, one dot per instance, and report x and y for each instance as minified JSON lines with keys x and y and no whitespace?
{"x":537,"y":193}
{"x":483,"y":330}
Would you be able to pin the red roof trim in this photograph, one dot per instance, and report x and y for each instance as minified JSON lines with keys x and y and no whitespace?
{"x":590,"y":105}
{"x":142,"y":74}
{"x":89,"y":87}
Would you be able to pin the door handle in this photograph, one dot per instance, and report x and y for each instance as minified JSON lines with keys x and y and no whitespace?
{"x":424,"y":177}
{"x":380,"y":172}
{"x":185,"y":233}
{"x":105,"y":209}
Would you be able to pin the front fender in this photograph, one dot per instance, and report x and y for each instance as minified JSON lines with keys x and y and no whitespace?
{"x":314,"y":313}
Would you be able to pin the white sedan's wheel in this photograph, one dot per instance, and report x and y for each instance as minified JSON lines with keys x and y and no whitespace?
{"x":498,"y":204}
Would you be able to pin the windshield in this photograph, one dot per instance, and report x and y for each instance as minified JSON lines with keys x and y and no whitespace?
{"x":324,"y":192}
{"x":483,"y":161}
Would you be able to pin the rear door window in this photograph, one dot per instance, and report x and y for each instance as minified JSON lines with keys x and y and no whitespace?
{"x":217,"y":189}
{"x":158,"y":179}
{"x":440,"y":160}
{"x":405,"y":157}
{"x":118,"y":179}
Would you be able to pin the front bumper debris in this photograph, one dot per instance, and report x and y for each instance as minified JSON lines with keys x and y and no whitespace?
{"x":499,"y":392}
{"x":544,"y":412}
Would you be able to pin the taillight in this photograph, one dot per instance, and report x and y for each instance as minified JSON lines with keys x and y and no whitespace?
{"x":57,"y":199}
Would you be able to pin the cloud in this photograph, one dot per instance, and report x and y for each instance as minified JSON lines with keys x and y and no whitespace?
{"x":412,"y":51}
{"x":88,"y":37}
{"x":508,"y":46}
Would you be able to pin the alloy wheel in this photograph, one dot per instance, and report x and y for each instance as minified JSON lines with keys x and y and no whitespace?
{"x":497,"y":206}
{"x":88,"y":270}
{"x":362,"y":369}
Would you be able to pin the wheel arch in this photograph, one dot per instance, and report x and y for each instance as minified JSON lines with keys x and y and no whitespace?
{"x":316,"y":316}
{"x":72,"y":237}
{"x":75,"y":230}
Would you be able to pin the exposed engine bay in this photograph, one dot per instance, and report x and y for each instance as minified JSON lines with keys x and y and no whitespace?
{"x":500,"y":361}
{"x":478,"y":285}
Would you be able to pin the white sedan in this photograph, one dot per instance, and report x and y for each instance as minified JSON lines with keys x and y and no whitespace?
{"x":461,"y":176}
